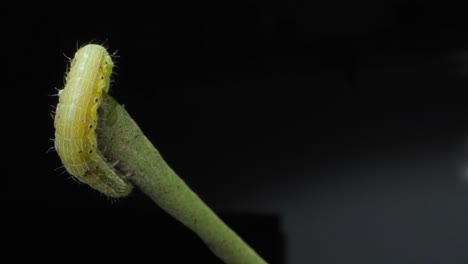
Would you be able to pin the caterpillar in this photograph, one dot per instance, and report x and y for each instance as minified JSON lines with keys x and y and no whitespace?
{"x":76,"y":120}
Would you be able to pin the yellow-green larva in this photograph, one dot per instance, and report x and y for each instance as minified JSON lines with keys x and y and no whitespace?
{"x":76,"y":121}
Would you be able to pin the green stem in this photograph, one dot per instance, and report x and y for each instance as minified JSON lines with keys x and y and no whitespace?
{"x":120,"y":139}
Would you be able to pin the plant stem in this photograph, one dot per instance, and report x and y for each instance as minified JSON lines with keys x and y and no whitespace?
{"x":120,"y":139}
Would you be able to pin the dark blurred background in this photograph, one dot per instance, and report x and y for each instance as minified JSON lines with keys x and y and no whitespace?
{"x":323,"y":132}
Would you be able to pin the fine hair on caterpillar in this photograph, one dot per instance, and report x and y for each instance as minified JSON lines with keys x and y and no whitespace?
{"x":76,"y":120}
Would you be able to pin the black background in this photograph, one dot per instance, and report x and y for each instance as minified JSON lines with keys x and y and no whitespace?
{"x":328,"y":132}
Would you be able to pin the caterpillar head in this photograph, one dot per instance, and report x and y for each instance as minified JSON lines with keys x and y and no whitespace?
{"x":107,"y":67}
{"x":98,"y":60}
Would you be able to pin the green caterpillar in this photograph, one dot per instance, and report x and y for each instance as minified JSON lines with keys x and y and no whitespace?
{"x":76,"y":121}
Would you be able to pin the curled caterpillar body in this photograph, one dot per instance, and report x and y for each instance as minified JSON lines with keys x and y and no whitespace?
{"x":76,"y":121}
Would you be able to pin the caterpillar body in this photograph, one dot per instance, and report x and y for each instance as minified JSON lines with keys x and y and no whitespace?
{"x":76,"y":120}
